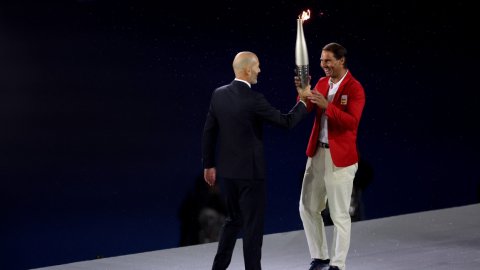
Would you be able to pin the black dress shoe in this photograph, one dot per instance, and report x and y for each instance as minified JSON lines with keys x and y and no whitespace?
{"x":333,"y":268}
{"x":318,"y":264}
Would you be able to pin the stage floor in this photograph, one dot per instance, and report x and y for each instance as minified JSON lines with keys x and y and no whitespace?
{"x":441,"y":239}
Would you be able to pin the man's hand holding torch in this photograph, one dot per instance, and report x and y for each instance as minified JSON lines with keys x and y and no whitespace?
{"x":304,"y":93}
{"x":313,"y":96}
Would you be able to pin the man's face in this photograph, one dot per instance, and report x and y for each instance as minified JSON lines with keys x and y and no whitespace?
{"x":331,"y":66}
{"x":255,"y":70}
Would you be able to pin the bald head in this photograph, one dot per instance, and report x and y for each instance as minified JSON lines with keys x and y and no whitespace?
{"x":243,"y":60}
{"x":246,"y":67}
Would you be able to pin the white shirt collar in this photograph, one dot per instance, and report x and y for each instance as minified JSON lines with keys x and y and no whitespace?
{"x":339,"y":82}
{"x":243,"y":81}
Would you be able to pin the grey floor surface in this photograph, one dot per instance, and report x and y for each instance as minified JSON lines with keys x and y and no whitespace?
{"x":441,"y":239}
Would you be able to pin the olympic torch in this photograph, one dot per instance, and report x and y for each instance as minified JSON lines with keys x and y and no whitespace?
{"x":301,"y":53}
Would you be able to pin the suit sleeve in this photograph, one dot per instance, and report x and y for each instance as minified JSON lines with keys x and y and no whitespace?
{"x":349,"y":118}
{"x":310,"y":105}
{"x":210,"y":136}
{"x":274,"y":117}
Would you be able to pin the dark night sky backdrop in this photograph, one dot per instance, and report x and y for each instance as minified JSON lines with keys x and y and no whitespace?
{"x":102,"y":107}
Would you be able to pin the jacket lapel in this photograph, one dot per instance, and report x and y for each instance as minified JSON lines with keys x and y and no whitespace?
{"x":324,"y":89}
{"x":324,"y":92}
{"x":340,"y":88}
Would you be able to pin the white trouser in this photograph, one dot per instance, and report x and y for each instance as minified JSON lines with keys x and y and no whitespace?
{"x":323,"y":179}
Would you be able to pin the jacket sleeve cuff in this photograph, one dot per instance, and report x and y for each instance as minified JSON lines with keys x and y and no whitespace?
{"x":207,"y":163}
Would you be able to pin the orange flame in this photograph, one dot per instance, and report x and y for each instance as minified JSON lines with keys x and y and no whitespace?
{"x":305,"y":16}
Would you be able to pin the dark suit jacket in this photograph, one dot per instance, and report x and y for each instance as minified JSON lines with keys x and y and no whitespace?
{"x":237,"y":114}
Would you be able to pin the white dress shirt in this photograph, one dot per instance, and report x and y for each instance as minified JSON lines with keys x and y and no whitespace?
{"x":244,"y":82}
{"x":324,"y":119}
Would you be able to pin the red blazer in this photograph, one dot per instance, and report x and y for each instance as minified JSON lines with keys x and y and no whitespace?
{"x":343,"y":119}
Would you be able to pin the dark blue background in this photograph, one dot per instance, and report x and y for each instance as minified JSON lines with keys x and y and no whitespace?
{"x":102,"y":107}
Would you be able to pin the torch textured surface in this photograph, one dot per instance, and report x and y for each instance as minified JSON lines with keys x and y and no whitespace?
{"x":302,"y":72}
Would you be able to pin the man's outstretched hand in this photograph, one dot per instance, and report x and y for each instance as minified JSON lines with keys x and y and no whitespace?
{"x":210,"y":176}
{"x":304,"y":93}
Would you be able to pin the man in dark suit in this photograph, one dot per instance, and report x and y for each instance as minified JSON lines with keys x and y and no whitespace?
{"x":237,"y":114}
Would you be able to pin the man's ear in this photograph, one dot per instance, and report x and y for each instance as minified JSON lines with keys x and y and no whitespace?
{"x":248,"y":70}
{"x":342,"y":60}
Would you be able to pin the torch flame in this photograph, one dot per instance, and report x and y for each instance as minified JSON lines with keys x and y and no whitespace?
{"x":305,"y":16}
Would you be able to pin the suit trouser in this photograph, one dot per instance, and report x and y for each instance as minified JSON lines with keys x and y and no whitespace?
{"x":324,"y":180}
{"x":246,"y":211}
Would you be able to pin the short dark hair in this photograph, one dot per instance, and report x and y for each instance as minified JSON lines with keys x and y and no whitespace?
{"x":338,"y":51}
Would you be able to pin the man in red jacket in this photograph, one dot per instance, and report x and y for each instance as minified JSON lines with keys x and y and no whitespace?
{"x":332,"y":158}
